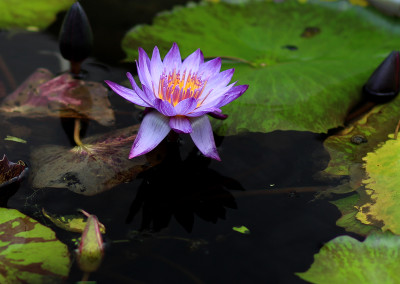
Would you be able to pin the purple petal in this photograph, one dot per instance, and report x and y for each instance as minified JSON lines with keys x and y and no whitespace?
{"x":202,"y":111}
{"x":152,"y":131}
{"x":143,"y":68}
{"x":148,"y":99}
{"x":192,"y":62}
{"x":232,"y":95}
{"x":127,"y":94}
{"x":173,"y":58}
{"x":218,"y":115}
{"x":156,"y":67}
{"x":203,"y":137}
{"x":180,"y":124}
{"x":214,"y":97}
{"x":218,"y":81}
{"x":210,"y":68}
{"x":186,"y":106}
{"x":164,"y":107}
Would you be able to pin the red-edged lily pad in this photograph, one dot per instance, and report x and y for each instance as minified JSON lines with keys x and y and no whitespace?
{"x":11,"y":172}
{"x":41,"y":95}
{"x":100,"y":164}
{"x":30,"y":252}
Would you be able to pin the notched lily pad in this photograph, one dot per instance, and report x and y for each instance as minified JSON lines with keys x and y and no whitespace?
{"x":308,"y":89}
{"x":11,"y":172}
{"x":346,"y":260}
{"x":72,"y":223}
{"x":42,"y":96}
{"x":100,"y":164}
{"x":30,"y":252}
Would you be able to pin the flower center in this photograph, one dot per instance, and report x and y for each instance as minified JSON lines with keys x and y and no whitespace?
{"x":175,"y":88}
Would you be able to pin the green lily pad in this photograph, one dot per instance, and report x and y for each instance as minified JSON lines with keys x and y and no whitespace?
{"x":37,"y":13}
{"x":381,"y":200}
{"x":298,"y":80}
{"x":373,"y":126}
{"x":349,"y":209}
{"x":346,"y":260}
{"x":29,"y":251}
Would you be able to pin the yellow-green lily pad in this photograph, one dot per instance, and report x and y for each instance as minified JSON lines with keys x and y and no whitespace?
{"x":29,"y":251}
{"x":381,"y":199}
{"x":346,"y":260}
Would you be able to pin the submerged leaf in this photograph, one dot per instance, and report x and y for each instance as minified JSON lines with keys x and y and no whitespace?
{"x":41,"y":95}
{"x":382,"y":201}
{"x":346,"y":260}
{"x":297,"y":82}
{"x":100,"y":164}
{"x":30,"y":252}
{"x":72,"y":223}
{"x":22,"y":13}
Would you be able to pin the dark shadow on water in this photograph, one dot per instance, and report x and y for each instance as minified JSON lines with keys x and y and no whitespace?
{"x":181,"y":189}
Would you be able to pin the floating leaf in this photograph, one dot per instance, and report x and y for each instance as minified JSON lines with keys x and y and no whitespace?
{"x":381,"y":187}
{"x":100,"y":164}
{"x":242,"y":230}
{"x":373,"y":126}
{"x":72,"y":223}
{"x":296,"y":82}
{"x":346,"y":260}
{"x":30,"y":252}
{"x":349,"y":211}
{"x":41,"y":95}
{"x":22,"y":14}
{"x":11,"y":172}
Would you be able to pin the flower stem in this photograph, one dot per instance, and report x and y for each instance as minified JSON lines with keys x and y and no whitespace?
{"x":75,"y":68}
{"x":85,"y":276}
{"x":77,"y":130}
{"x":396,"y":132}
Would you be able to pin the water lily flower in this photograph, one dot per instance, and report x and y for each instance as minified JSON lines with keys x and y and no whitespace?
{"x":180,"y":94}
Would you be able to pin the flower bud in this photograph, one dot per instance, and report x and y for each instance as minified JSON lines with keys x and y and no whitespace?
{"x":383,"y":84}
{"x":76,"y":37}
{"x":90,"y":252}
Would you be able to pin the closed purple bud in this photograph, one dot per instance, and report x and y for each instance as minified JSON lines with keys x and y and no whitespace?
{"x":76,"y":37}
{"x":383,"y":84}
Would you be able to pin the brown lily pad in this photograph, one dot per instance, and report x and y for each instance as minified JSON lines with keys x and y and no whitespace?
{"x":100,"y":164}
{"x":11,"y":172}
{"x":43,"y":95}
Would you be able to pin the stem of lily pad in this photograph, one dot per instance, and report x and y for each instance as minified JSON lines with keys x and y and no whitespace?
{"x":7,"y":74}
{"x":396,"y":132}
{"x":85,"y":276}
{"x":77,"y":130}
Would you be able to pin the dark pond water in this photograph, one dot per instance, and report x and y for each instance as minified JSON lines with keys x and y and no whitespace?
{"x":173,"y":224}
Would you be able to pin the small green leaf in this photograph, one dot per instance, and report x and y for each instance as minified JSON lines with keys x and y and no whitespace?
{"x":346,"y":260}
{"x":15,"y":139}
{"x":242,"y":230}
